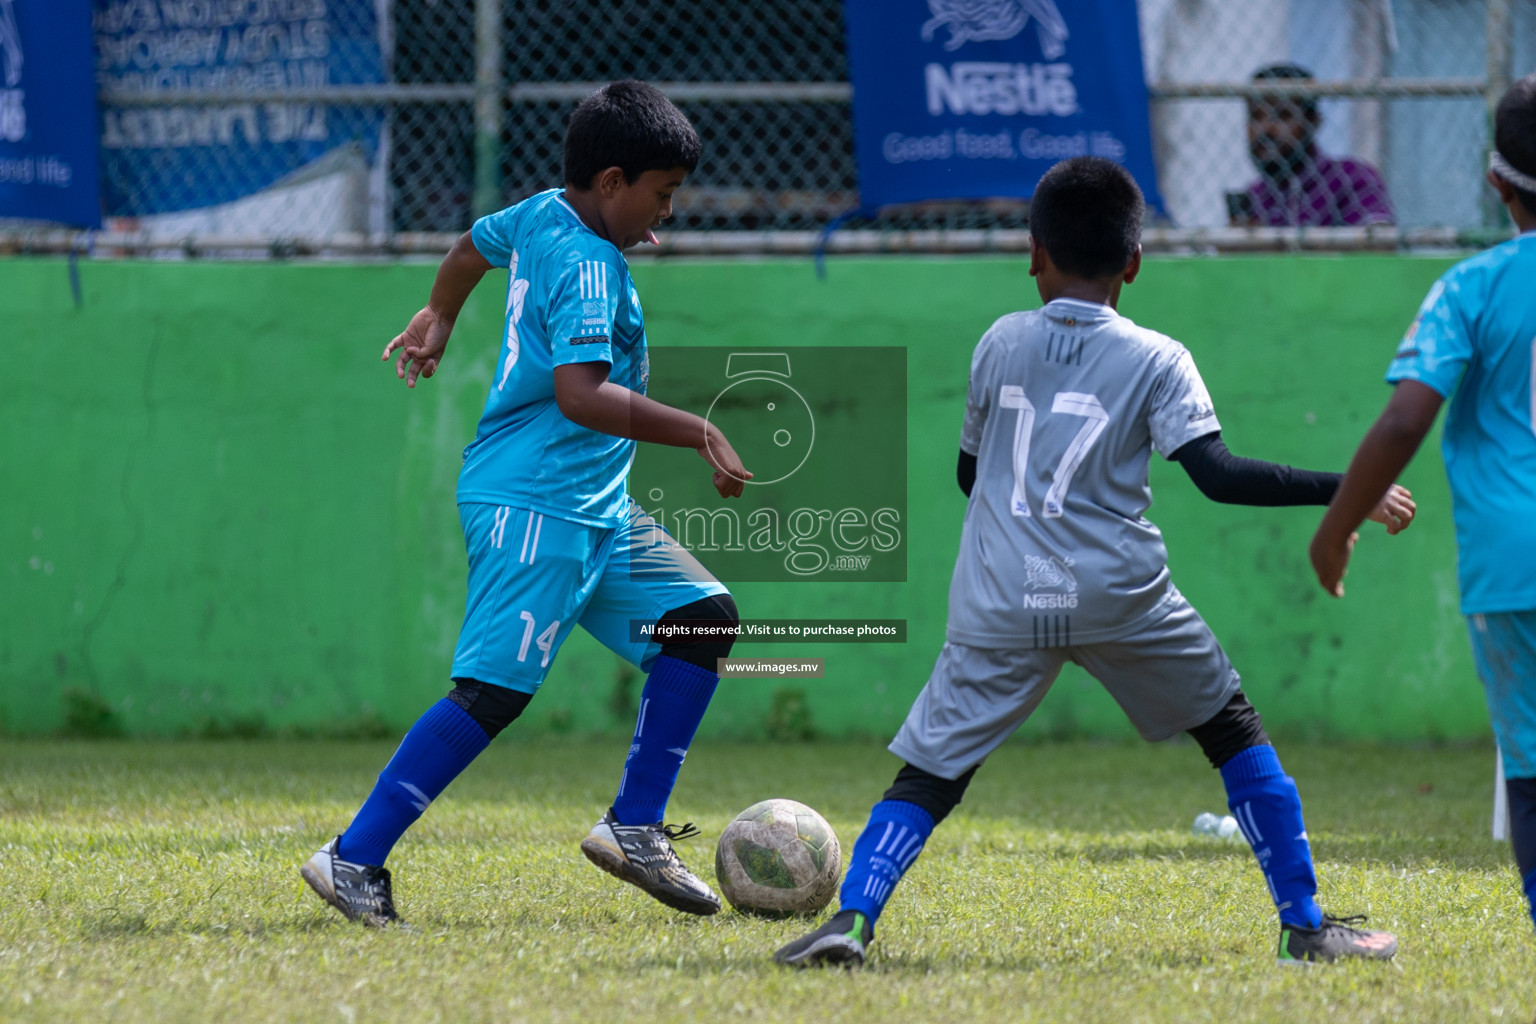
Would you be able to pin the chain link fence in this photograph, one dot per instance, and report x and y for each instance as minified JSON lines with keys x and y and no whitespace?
{"x":385,"y":126}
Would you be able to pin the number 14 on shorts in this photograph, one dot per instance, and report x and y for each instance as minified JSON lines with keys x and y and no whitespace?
{"x":545,"y":641}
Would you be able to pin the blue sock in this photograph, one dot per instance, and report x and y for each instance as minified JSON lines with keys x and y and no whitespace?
{"x":1530,"y":894}
{"x":672,"y":705}
{"x":885,"y":849}
{"x":1267,"y":807}
{"x":439,"y":746}
{"x":1521,"y":792}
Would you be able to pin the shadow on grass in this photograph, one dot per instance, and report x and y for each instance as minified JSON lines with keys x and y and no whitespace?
{"x":1111,"y":963}
{"x":112,"y":926}
{"x":1410,"y":851}
{"x":1116,"y":853}
{"x":1391,"y":851}
{"x":1108,"y":962}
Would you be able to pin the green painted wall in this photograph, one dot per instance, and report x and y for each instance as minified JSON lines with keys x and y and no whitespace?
{"x":217,"y":505}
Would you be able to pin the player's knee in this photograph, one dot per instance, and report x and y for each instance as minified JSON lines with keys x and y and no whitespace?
{"x":701,"y":645}
{"x":937,"y":796}
{"x":492,"y":707}
{"x":1230,"y":731}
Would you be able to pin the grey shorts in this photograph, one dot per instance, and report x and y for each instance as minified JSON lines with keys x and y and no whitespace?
{"x":1168,"y":677}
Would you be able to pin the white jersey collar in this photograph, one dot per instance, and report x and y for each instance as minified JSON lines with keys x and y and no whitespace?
{"x":1075,"y":311}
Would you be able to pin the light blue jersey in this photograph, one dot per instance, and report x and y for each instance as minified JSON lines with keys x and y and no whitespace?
{"x":569,"y":300}
{"x":1474,"y":341}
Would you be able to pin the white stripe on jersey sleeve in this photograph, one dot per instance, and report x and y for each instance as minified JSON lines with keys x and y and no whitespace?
{"x":592,"y":279}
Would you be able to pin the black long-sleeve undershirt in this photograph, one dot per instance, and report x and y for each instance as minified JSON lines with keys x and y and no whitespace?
{"x":966,"y":472}
{"x":1224,"y":477}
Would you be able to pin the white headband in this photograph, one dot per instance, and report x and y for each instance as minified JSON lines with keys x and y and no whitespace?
{"x":1504,"y":169}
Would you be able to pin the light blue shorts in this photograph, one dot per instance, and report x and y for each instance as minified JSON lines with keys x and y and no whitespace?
{"x":1504,"y":648}
{"x":533,"y":577}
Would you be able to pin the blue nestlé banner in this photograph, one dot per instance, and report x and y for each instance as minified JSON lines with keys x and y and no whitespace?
{"x":972,"y":99}
{"x":47,"y":112}
{"x":165,"y":158}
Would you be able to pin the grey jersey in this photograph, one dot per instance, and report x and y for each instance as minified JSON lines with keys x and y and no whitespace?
{"x":1065,"y":406}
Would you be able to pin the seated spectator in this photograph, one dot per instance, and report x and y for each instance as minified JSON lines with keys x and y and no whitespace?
{"x":1299,"y":185}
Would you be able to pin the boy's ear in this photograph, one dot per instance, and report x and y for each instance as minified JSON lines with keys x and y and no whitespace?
{"x":609,"y":181}
{"x":1039,"y":259}
{"x":1509,"y":196}
{"x":1505,"y":190}
{"x":1133,"y":267}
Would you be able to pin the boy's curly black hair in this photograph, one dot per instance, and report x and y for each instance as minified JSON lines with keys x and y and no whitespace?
{"x":629,"y":125}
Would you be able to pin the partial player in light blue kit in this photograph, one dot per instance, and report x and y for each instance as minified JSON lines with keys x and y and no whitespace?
{"x":1474,"y":342}
{"x":553,"y":538}
{"x":1059,"y":564}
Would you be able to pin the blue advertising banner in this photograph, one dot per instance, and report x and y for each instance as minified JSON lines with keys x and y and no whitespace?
{"x":47,"y":112}
{"x":164,"y":158}
{"x":975,"y":99}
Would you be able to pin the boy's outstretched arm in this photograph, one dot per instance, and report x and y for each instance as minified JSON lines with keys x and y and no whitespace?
{"x":1386,"y":450}
{"x":422,"y":342}
{"x":1224,"y":477}
{"x":586,"y":396}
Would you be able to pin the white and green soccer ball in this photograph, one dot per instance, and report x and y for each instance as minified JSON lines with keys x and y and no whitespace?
{"x":778,"y":858}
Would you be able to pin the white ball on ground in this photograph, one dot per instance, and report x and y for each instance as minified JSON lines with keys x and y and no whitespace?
{"x":778,"y":858}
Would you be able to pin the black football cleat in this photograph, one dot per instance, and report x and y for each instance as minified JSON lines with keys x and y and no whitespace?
{"x":1336,"y":939}
{"x":360,"y":891}
{"x":838,"y":943}
{"x":642,"y":855}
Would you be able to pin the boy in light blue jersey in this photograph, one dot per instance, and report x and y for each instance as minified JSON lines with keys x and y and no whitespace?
{"x":553,"y":538}
{"x":1474,"y":342}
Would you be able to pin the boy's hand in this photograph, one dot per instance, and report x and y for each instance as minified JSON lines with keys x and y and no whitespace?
{"x":421,"y":346}
{"x":1330,"y":560}
{"x":1395,"y":510}
{"x":730,"y":475}
{"x":1388,"y":445}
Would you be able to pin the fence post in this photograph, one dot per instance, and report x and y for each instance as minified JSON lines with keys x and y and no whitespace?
{"x":489,"y":95}
{"x":1501,"y":69}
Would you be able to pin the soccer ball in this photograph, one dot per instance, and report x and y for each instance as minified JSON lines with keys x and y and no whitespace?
{"x":778,"y":858}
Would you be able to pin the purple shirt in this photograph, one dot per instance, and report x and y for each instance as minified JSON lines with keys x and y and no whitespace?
{"x":1327,"y":193}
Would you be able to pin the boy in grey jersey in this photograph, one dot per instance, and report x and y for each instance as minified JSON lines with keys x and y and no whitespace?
{"x":1057,"y":563}
{"x":1076,"y":397}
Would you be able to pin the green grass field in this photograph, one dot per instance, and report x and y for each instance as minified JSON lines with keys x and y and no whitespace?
{"x":157,"y":882}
